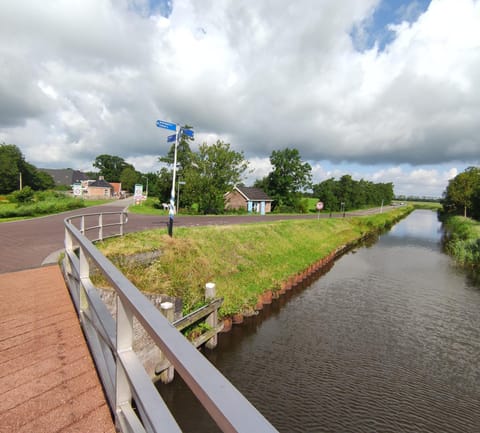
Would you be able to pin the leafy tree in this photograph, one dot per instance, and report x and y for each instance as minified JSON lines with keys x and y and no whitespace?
{"x":459,"y":197}
{"x":213,"y":171}
{"x":153,"y":183}
{"x":164,"y":184}
{"x":111,"y":167}
{"x":129,"y":177}
{"x":327,"y":193}
{"x":42,"y":180}
{"x":288,"y":178}
{"x":13,"y":167}
{"x":11,"y":162}
{"x":354,"y":194}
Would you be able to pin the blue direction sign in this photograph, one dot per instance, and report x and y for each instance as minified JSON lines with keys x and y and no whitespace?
{"x":166,"y":125}
{"x":188,"y":132}
{"x":171,"y":138}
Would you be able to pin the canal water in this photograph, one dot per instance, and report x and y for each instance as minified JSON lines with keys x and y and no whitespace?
{"x":388,"y":340}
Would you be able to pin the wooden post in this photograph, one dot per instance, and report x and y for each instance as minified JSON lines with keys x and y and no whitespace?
{"x":212,"y":318}
{"x":166,"y":376}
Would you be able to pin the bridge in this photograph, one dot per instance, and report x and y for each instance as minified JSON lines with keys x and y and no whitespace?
{"x":53,"y":382}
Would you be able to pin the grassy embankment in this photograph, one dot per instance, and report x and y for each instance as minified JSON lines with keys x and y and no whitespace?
{"x":463,"y":242}
{"x":243,"y":260}
{"x":44,"y":203}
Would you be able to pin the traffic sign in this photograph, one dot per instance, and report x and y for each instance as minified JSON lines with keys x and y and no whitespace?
{"x":171,"y":138}
{"x":166,"y":125}
{"x":188,"y":132}
{"x":319,"y":205}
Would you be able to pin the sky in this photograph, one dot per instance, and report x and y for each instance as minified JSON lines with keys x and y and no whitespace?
{"x":384,"y":90}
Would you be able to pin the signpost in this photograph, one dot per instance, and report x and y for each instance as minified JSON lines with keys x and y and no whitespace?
{"x":319,"y":207}
{"x":171,"y":138}
{"x":138,"y":193}
{"x":166,"y":125}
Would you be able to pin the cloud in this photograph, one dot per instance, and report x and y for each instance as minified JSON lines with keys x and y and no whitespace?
{"x":81,"y":79}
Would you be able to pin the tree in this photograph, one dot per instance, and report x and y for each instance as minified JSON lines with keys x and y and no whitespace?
{"x":288,"y":178}
{"x":326,"y":192}
{"x":461,"y":191}
{"x":111,"y":167}
{"x":213,"y":171}
{"x":353,"y":194}
{"x":129,"y":177}
{"x":11,"y":161}
{"x":16,"y":172}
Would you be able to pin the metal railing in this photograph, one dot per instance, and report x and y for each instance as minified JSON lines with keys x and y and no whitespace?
{"x":104,"y":222}
{"x":135,"y":402}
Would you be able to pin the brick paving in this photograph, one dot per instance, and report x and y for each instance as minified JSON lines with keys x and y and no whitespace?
{"x":47,"y":378}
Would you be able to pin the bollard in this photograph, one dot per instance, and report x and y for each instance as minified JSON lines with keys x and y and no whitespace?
{"x":212,"y":318}
{"x":166,"y":376}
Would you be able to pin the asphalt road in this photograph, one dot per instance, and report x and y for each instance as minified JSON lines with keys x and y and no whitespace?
{"x":35,"y":242}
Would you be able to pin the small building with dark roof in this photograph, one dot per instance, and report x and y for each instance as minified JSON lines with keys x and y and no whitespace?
{"x":99,"y":189}
{"x":65,"y":176}
{"x":248,"y":198}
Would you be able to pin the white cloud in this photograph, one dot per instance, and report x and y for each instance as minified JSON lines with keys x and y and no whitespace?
{"x":84,"y":78}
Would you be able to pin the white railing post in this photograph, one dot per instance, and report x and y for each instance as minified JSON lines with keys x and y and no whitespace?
{"x":121,"y":224}
{"x":167,"y":309}
{"x":124,"y":341}
{"x":100,"y":227}
{"x":212,"y":318}
{"x":84,"y":275}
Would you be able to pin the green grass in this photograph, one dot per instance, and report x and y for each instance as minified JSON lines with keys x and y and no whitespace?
{"x":429,"y":205}
{"x":49,"y":206}
{"x":243,"y":260}
{"x":463,"y":240}
{"x":147,"y":208}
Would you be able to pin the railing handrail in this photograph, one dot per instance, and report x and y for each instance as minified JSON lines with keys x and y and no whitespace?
{"x":101,"y":225}
{"x":127,"y":378}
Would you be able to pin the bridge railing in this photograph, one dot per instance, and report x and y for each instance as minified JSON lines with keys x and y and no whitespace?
{"x":133,"y":398}
{"x":99,"y":226}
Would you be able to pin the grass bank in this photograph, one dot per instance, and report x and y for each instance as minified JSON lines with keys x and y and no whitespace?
{"x":243,"y":260}
{"x":45,"y":206}
{"x":463,"y":240}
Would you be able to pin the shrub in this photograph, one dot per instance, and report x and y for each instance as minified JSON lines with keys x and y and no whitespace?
{"x":25,"y":195}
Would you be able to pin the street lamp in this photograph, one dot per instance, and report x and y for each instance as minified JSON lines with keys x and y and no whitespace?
{"x":178,"y":194}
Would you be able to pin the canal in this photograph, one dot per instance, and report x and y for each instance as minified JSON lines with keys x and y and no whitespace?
{"x":388,"y":340}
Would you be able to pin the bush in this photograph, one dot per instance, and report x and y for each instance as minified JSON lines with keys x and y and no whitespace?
{"x":25,"y":195}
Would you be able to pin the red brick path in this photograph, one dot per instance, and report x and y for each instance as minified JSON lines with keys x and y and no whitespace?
{"x":48,"y":382}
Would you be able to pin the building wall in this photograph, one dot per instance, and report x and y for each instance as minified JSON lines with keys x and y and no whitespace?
{"x":99,"y":192}
{"x":234,"y":200}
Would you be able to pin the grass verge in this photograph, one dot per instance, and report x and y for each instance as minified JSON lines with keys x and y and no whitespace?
{"x":243,"y":260}
{"x":463,"y":240}
{"x":14,"y":211}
